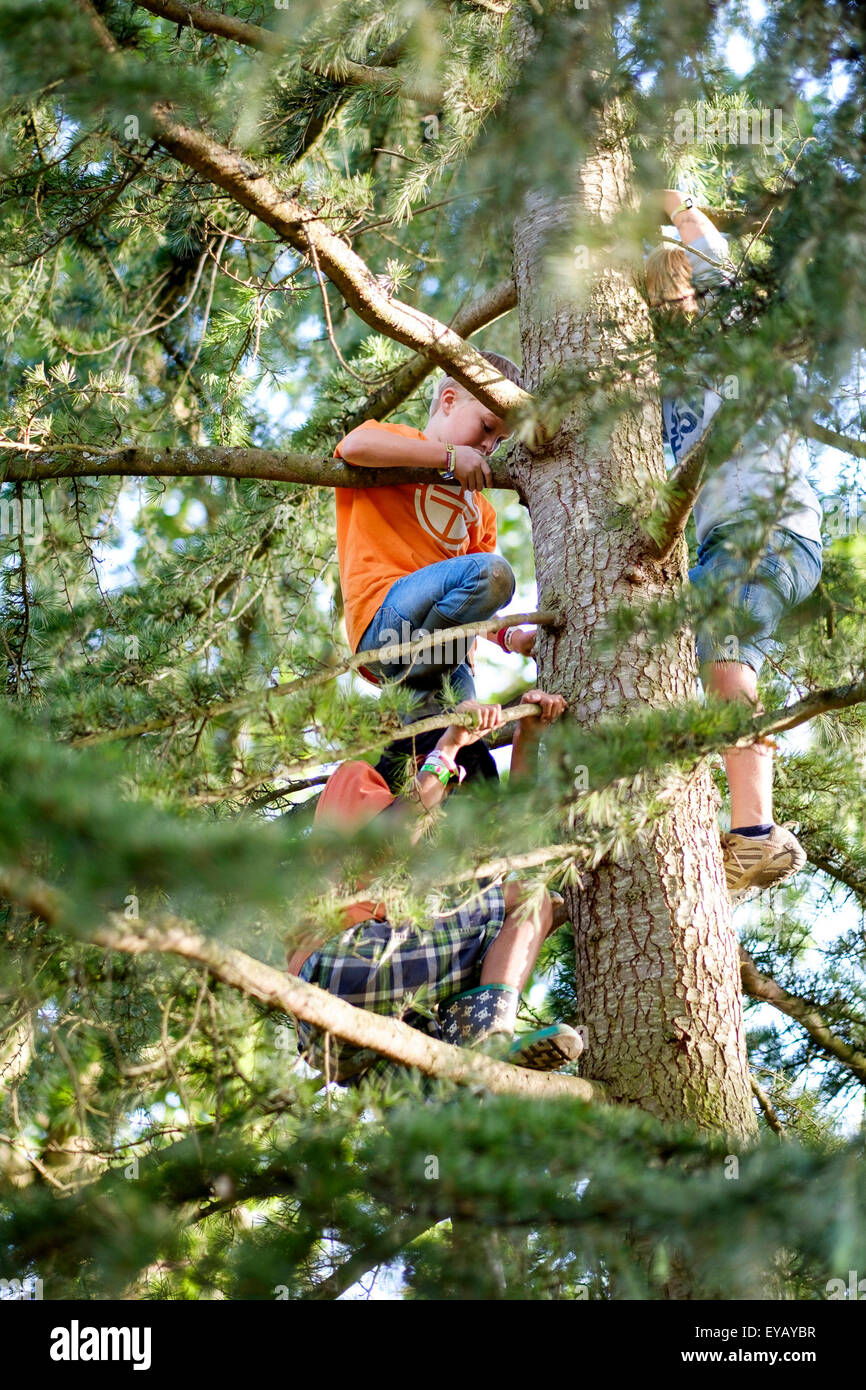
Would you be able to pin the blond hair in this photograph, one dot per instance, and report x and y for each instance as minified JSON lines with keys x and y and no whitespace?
{"x":504,"y":365}
{"x":669,"y":285}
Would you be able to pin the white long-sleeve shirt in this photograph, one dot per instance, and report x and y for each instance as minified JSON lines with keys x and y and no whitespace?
{"x":770,"y":467}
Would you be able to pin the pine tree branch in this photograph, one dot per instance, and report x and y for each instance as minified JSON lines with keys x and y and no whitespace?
{"x":307,"y":233}
{"x":378,"y":1251}
{"x":302,"y":228}
{"x":20,"y":462}
{"x":803,"y":1011}
{"x":492,"y":6}
{"x":819,"y":702}
{"x":832,"y":861}
{"x":381,"y":77}
{"x":302,"y":683}
{"x":315,"y":1006}
{"x":225,"y":26}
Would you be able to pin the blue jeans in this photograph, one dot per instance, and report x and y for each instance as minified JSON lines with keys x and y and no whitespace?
{"x":756,"y":596}
{"x":467,"y":589}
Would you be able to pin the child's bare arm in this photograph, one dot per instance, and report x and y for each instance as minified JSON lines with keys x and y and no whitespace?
{"x":517,"y":639}
{"x":690,"y":224}
{"x":370,"y":447}
{"x":375,"y":448}
{"x":524,"y":748}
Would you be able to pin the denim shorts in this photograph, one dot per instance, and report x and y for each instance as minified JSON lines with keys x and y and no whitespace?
{"x":466,"y":589}
{"x":751,"y":598}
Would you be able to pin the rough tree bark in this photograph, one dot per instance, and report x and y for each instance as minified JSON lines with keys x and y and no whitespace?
{"x":658,"y":976}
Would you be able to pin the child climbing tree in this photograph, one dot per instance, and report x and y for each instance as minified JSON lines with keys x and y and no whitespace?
{"x":232,"y":236}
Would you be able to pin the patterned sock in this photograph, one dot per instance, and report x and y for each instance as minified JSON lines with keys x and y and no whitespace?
{"x":754,"y":832}
{"x":476,"y":1014}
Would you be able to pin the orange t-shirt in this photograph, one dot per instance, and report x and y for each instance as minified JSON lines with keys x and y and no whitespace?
{"x":384,"y":533}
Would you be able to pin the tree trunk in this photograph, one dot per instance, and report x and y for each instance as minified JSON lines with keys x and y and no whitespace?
{"x":658,"y":976}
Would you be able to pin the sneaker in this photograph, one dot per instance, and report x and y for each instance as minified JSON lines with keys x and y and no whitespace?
{"x":546,"y":1049}
{"x":752,"y":862}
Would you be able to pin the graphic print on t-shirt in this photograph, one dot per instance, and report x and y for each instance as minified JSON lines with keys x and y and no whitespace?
{"x":446,"y":513}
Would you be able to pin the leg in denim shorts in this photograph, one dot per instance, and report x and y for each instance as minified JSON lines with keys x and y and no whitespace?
{"x":757,"y":596}
{"x":467,"y":589}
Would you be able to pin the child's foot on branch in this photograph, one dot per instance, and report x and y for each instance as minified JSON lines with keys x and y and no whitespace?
{"x":485,"y":1017}
{"x":760,"y":858}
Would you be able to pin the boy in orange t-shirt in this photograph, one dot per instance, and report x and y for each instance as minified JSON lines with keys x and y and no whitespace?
{"x":418,"y":558}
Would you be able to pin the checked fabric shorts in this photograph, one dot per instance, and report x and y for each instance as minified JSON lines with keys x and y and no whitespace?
{"x":401,"y":971}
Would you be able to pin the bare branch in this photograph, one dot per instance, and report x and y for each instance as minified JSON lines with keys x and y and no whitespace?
{"x":20,"y":462}
{"x":769,"y":1113}
{"x":836,"y":441}
{"x":484,"y":310}
{"x":760,"y":986}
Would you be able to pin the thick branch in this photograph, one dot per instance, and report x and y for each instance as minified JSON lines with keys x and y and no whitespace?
{"x":315,"y":1006}
{"x":484,"y":310}
{"x":683,"y":485}
{"x":226,"y":26}
{"x":18,"y":463}
{"x":837,"y":441}
{"x":760,"y":986}
{"x":303,"y":230}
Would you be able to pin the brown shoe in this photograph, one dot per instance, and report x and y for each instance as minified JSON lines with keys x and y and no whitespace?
{"x":758,"y":863}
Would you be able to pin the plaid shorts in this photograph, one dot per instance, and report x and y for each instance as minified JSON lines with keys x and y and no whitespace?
{"x":401,"y":971}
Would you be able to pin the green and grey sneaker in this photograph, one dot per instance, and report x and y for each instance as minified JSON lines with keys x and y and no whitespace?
{"x":546,"y":1049}
{"x":759,"y":862}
